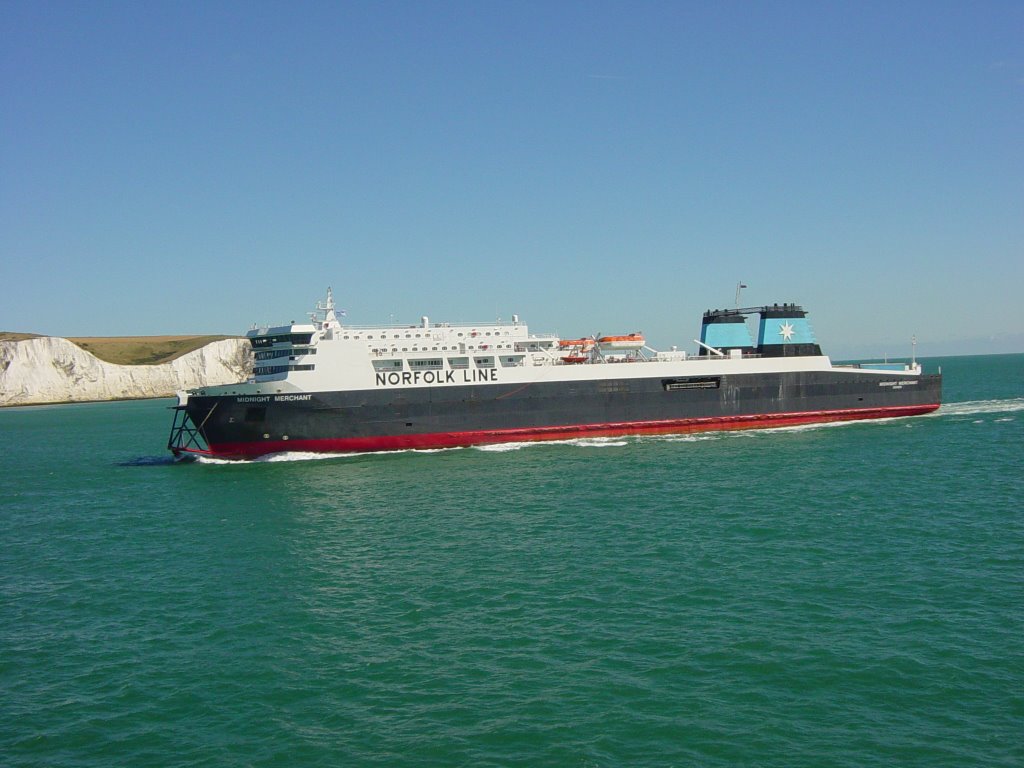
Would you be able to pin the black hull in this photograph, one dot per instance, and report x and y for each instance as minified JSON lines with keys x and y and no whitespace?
{"x":388,"y":419}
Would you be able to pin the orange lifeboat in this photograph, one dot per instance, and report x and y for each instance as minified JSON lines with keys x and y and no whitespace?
{"x":631,"y":341}
{"x":576,"y":350}
{"x":584,"y":344}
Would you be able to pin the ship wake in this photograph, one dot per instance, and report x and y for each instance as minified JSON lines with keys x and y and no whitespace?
{"x":579,"y":442}
{"x":288,"y":456}
{"x":976,"y":407}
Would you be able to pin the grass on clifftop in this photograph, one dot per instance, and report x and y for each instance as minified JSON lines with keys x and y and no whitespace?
{"x":12,"y":336}
{"x":142,"y":350}
{"x":131,"y":350}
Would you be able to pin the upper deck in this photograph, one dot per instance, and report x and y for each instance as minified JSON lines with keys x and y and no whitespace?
{"x":327,"y":349}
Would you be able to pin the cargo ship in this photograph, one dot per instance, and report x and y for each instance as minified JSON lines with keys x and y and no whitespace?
{"x":327,"y":386}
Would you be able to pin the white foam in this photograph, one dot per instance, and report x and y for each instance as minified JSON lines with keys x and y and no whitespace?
{"x":505,"y":447}
{"x":275,"y":457}
{"x":577,"y":442}
{"x":816,"y":426}
{"x":286,"y":456}
{"x":271,"y":458}
{"x":972,"y":407}
{"x":212,"y":460}
{"x":596,"y":442}
{"x":684,"y":437}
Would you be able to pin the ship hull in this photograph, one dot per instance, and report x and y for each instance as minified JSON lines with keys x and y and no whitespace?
{"x":235,"y":426}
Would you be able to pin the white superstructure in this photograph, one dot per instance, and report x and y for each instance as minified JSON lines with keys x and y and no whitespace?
{"x":327,"y":355}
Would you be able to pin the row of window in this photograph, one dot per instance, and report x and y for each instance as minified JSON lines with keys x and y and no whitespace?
{"x":453,"y":348}
{"x":455,"y":363}
{"x":275,"y":353}
{"x":429,"y":336}
{"x":283,"y":338}
{"x":270,"y":370}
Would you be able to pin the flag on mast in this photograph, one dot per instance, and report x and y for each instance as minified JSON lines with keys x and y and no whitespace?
{"x":739,"y":287}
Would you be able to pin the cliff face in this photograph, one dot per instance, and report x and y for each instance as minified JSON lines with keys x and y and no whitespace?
{"x":53,"y":370}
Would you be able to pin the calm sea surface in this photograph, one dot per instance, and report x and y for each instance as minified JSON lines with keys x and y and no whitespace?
{"x":821,"y":596}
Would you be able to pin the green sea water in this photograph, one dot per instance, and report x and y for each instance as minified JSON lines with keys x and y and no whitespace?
{"x":847,"y":595}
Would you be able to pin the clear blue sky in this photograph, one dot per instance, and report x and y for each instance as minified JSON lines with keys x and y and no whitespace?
{"x":594,"y":166}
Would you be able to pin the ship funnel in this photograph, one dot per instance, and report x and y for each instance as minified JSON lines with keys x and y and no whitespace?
{"x":785,"y":332}
{"x":726,"y":330}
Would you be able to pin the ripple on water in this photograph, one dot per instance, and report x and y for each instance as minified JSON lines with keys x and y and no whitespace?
{"x":784,"y":598}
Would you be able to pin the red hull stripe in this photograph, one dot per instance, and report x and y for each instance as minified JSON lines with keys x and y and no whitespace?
{"x":484,"y":437}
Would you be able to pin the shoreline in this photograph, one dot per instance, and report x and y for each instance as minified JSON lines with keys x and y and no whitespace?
{"x":50,"y":404}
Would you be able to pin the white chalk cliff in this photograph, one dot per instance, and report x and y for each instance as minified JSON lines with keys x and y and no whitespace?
{"x":49,"y":369}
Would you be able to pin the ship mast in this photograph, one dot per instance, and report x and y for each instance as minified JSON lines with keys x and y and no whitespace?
{"x":330,"y":319}
{"x":739,"y":287}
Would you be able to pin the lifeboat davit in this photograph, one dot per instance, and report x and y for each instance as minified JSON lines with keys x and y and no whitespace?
{"x":631,"y":341}
{"x":576,"y":350}
{"x":584,"y":344}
